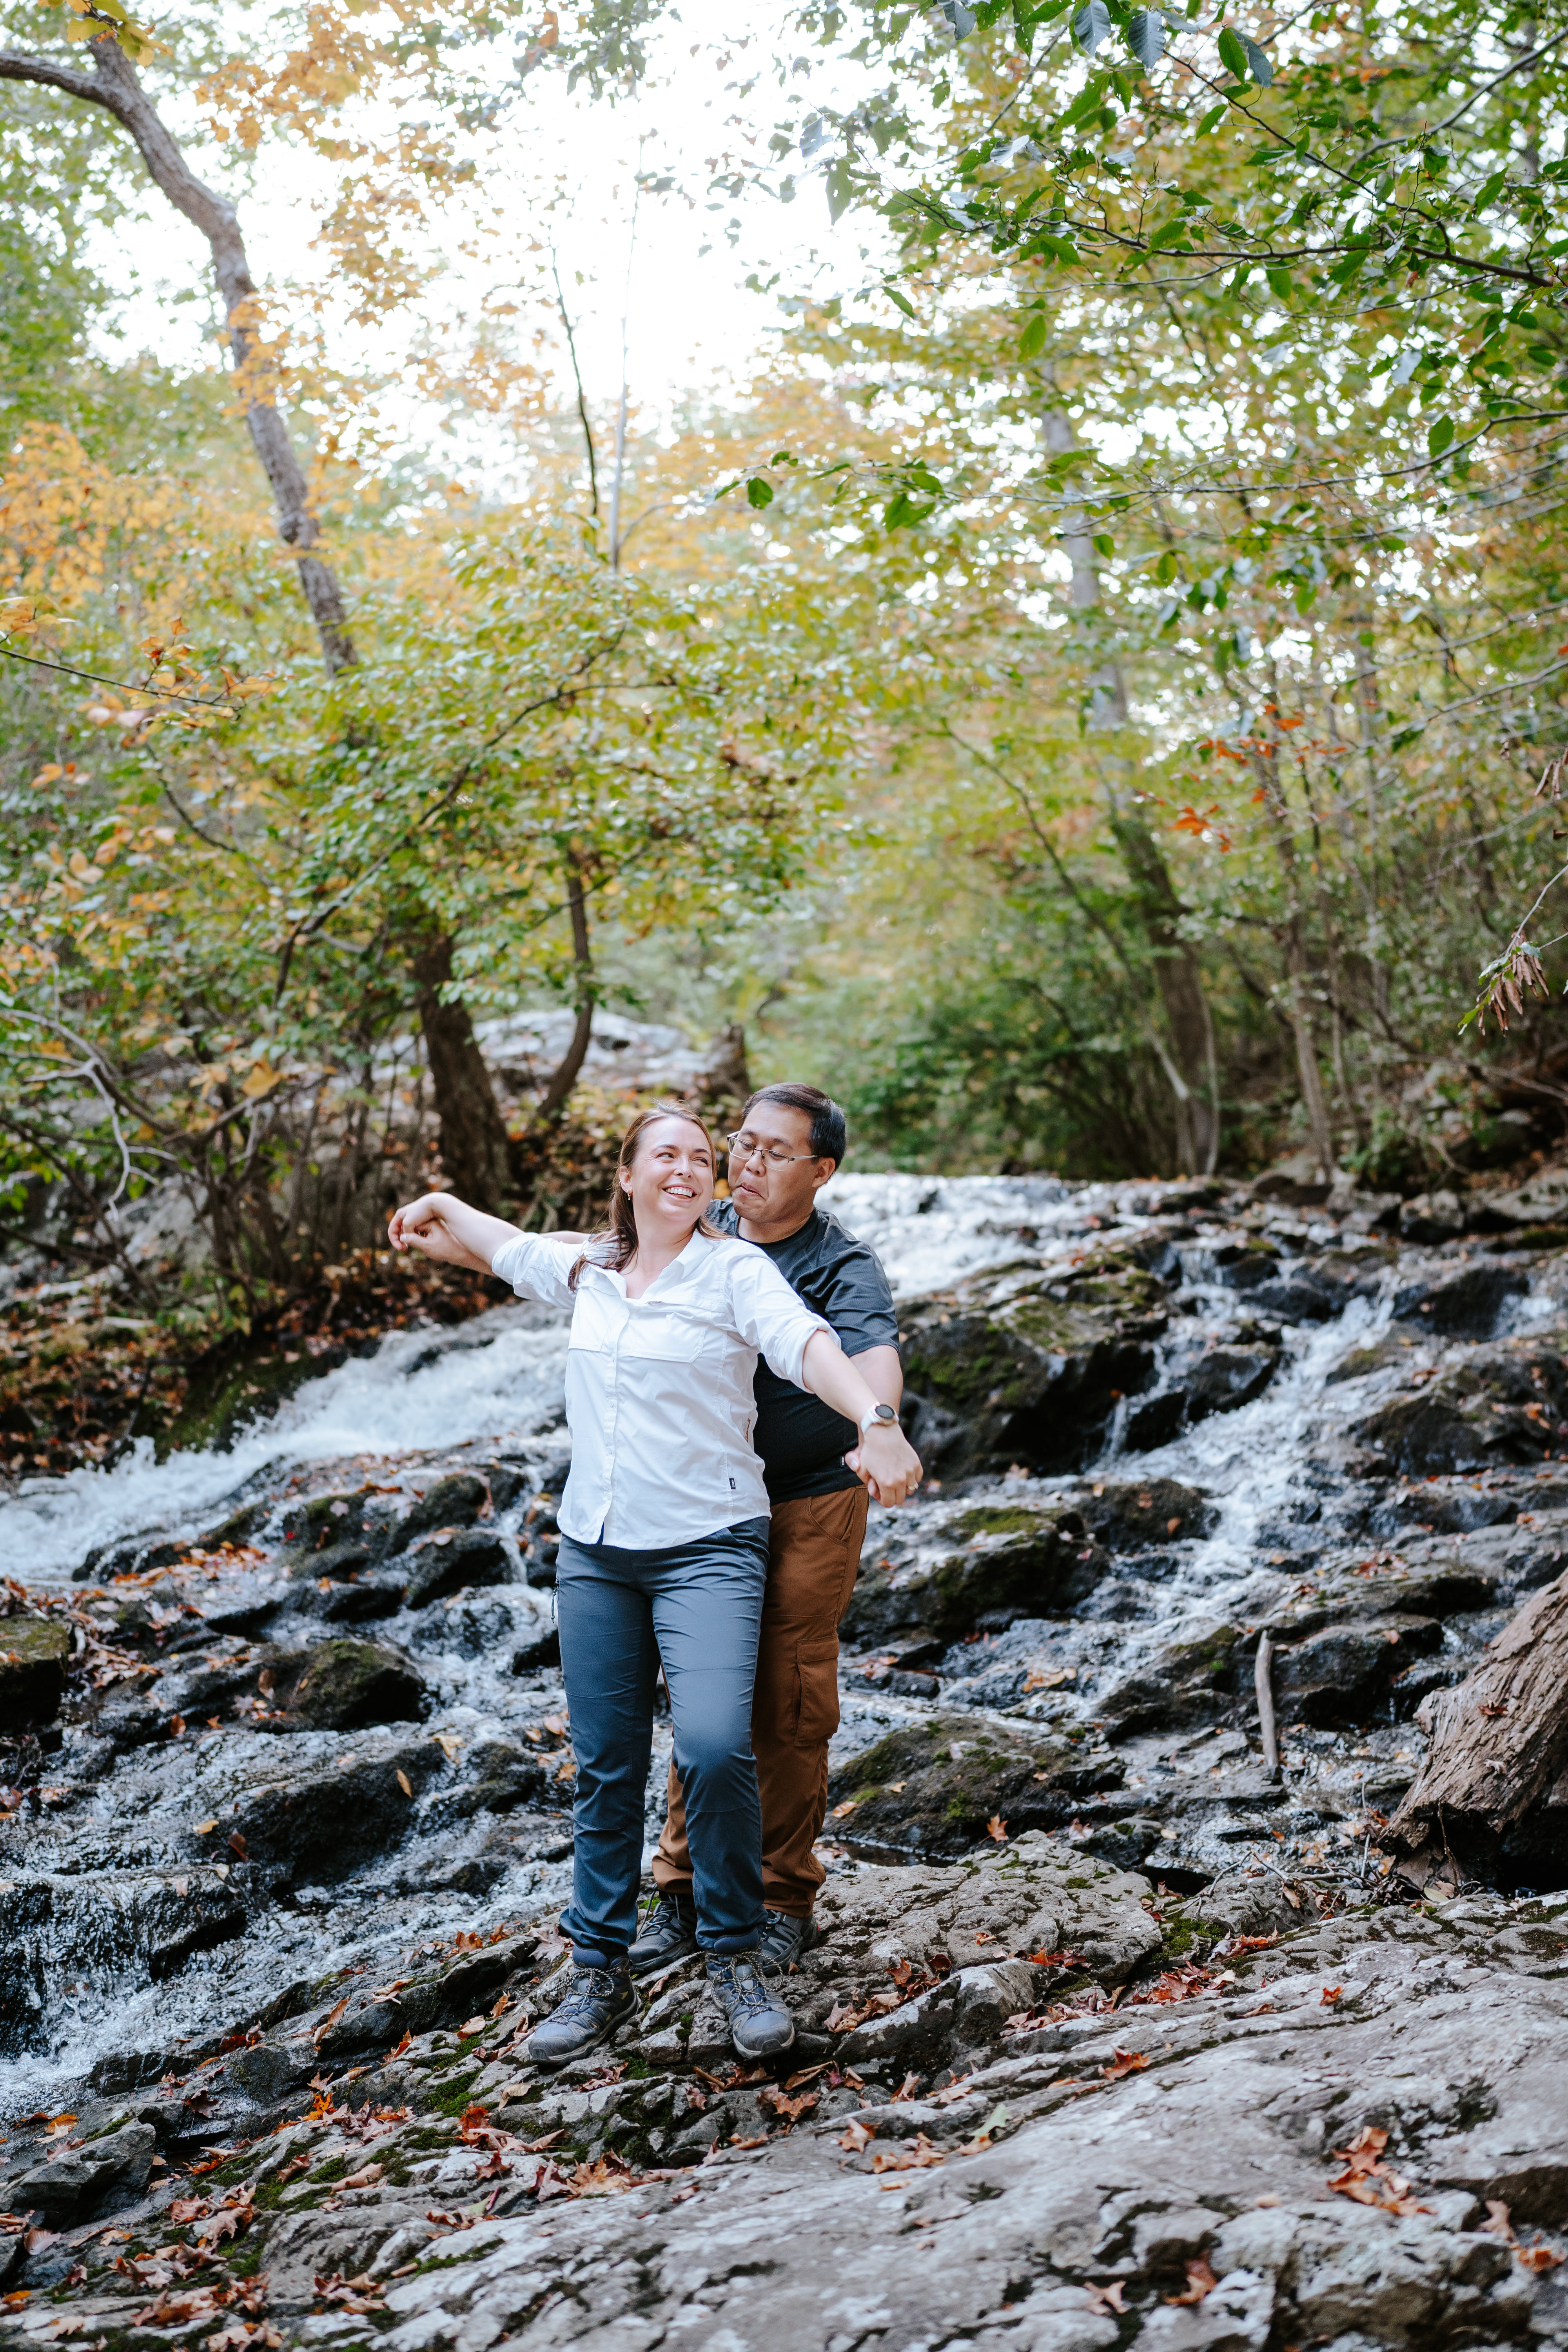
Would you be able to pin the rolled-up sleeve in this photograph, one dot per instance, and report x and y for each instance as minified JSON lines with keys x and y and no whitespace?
{"x":770,"y":1315}
{"x":537,"y":1268}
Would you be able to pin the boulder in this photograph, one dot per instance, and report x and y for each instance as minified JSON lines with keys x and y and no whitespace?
{"x":934,"y":1787}
{"x":1508,"y":1404}
{"x":445,"y":1564}
{"x":67,"y":2188}
{"x":1469,"y":1305}
{"x":1220,"y":1380}
{"x":1026,"y":1364}
{"x":322,"y":1525}
{"x":323,"y":1818}
{"x":455,"y":1502}
{"x":1007,"y":1561}
{"x":33,"y":1655}
{"x":1131,"y":1515}
{"x":341,"y":1683}
{"x":1345,"y":1673}
{"x":1190,"y":1679}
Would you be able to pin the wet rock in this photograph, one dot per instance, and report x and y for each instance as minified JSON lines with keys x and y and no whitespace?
{"x":1026,"y":1365}
{"x":1433,"y":1217}
{"x":322,"y":1820}
{"x":446,"y":1563}
{"x":341,"y":1683}
{"x":322,"y":1525}
{"x":1129,"y":1516}
{"x":455,"y":1502}
{"x":1007,"y":1560}
{"x":1344,"y":1674}
{"x":1507,"y":1403}
{"x":1469,"y":1305}
{"x":933,"y":1788}
{"x":1220,"y":1380}
{"x":505,"y":1776}
{"x":1188,"y":1680}
{"x":33,"y":1655}
{"x":69,"y":2187}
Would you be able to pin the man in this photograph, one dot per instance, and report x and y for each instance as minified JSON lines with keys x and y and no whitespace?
{"x":791,"y":1140}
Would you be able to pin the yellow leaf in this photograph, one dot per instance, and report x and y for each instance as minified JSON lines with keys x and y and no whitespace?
{"x":204,"y":1827}
{"x":79,"y":864}
{"x":50,"y":774}
{"x":406,"y":1784}
{"x":262,"y":1076}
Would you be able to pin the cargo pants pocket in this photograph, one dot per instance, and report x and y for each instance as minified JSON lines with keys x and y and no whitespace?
{"x":816,"y":1678}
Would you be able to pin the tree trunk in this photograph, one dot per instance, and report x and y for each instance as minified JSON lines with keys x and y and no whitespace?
{"x":1191,"y":1068}
{"x":476,"y":1149}
{"x":115,"y":85}
{"x":1499,"y":1752}
{"x":557,"y":1092}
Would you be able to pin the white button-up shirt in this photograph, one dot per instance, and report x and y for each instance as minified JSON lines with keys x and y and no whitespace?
{"x":658,"y":1389}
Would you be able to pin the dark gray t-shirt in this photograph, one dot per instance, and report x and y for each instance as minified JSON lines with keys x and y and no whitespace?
{"x":801,"y":1440}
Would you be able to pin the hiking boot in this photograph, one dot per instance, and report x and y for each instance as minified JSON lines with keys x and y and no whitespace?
{"x":759,"y":2022}
{"x":598,"y":2003}
{"x":785,"y":1939}
{"x":668,"y":1932}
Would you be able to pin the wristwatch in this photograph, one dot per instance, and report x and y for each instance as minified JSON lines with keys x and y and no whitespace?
{"x":884,"y":1413}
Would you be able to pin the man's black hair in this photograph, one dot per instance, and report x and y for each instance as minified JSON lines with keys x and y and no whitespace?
{"x":829,"y":1136}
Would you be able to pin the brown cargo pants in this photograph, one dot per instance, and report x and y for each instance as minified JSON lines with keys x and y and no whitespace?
{"x":814,"y":1553}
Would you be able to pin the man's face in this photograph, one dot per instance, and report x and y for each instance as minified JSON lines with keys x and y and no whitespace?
{"x":778,"y":1193}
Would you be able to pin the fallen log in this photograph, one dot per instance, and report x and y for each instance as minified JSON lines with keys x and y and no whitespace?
{"x":1490,"y":1801}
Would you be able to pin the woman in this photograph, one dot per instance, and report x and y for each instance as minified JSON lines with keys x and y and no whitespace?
{"x":664,"y":1544}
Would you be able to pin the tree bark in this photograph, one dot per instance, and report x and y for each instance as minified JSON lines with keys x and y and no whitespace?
{"x":1191,"y":1067}
{"x":476,"y":1150}
{"x":1498,"y":1746}
{"x":557,"y":1092}
{"x":114,"y":85}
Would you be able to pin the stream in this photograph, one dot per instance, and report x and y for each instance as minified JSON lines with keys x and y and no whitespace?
{"x":182,"y":1850}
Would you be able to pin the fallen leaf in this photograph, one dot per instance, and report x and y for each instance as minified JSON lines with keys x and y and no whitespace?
{"x":1124,"y":2062}
{"x":205,"y":1829}
{"x":406,"y":1784}
{"x":1201,"y":2281}
{"x":1330,"y":1993}
{"x":787,"y":2109}
{"x":854,"y":2136}
{"x":473,"y":2025}
{"x":326,"y":2026}
{"x":1539,"y":2257}
{"x":997,"y":1828}
{"x":839,"y":1812}
{"x":176,"y":1725}
{"x":236,"y":1845}
{"x":1110,"y":2297}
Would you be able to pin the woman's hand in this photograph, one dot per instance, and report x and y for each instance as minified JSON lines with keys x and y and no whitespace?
{"x":441,"y":1227}
{"x":888,"y":1464}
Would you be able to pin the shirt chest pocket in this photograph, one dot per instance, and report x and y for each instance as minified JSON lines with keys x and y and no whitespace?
{"x":659,"y":1336}
{"x":593,"y":1322}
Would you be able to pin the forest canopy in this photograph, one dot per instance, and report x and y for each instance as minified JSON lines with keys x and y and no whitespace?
{"x":1092,"y":696}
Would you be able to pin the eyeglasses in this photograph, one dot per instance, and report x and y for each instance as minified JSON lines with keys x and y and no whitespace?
{"x":747,"y":1146}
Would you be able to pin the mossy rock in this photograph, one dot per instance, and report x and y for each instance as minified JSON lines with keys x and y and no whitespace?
{"x":1027,"y":1365}
{"x":33,"y":1655}
{"x":341,"y":1683}
{"x":934,"y":1787}
{"x":1129,"y":1516}
{"x":1508,"y":1404}
{"x":1014,"y":1562}
{"x":1190,"y":1680}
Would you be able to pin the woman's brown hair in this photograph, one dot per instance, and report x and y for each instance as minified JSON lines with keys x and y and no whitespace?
{"x":620,"y":1231}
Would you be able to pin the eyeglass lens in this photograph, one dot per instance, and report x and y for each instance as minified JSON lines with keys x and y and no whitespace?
{"x":745,"y":1146}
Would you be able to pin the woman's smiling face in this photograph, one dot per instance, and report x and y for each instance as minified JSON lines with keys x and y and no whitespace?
{"x":670,"y":1181}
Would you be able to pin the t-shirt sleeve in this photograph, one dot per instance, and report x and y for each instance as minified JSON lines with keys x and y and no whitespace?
{"x":857,"y":1300}
{"x":537,"y":1268}
{"x":769,"y":1314}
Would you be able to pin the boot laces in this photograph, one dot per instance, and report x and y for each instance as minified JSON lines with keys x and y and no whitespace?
{"x":750,"y":1992}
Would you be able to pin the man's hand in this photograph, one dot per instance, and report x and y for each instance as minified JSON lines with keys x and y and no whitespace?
{"x":887,"y":1463}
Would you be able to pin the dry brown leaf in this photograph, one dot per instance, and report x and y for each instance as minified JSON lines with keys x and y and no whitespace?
{"x":1201,"y":2281}
{"x":1110,"y":2297}
{"x":997,"y":1828}
{"x":854,"y":2136}
{"x":1124,"y":2062}
{"x":405,"y":1783}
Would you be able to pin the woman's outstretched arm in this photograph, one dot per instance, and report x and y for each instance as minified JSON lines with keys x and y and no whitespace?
{"x":888,"y":1462}
{"x":440,"y":1226}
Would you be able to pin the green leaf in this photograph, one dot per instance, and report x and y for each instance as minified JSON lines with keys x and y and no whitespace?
{"x":1033,"y":336}
{"x":1232,"y":55}
{"x":1260,"y":65}
{"x":840,"y":188}
{"x":1439,"y":436}
{"x":1216,"y":114}
{"x":758,"y":492}
{"x":1165,"y":569}
{"x":901,"y":302}
{"x":1147,"y":36}
{"x":1092,"y":26}
{"x":1102,"y":543}
{"x":1278,"y":283}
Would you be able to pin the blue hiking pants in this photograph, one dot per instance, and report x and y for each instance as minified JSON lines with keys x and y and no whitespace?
{"x":697,"y":1608}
